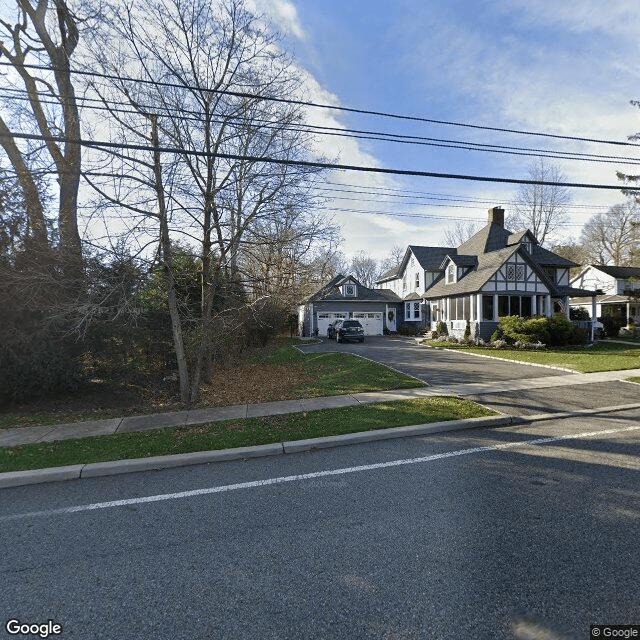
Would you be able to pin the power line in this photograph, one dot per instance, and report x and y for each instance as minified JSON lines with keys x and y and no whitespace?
{"x":311,"y":164}
{"x":254,"y":96}
{"x":368,"y":135}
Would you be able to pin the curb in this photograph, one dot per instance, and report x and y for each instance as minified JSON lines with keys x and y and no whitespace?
{"x":116,"y":467}
{"x":482,"y":355}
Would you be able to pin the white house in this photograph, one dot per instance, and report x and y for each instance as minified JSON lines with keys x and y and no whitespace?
{"x":618,"y":289}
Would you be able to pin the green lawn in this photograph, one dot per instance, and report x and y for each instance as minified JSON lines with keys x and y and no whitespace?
{"x":239,"y":433}
{"x":325,"y":374}
{"x":601,"y":357}
{"x":339,"y":373}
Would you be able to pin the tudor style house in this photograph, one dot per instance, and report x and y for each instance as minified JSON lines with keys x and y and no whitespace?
{"x":344,"y":297}
{"x":494,"y":273}
{"x":618,"y":291}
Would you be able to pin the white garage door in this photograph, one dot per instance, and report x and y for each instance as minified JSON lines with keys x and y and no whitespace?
{"x":371,"y":322}
{"x":325,"y":319}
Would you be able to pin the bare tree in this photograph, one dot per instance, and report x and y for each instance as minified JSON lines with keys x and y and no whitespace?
{"x":541,"y":208}
{"x":206,"y":79}
{"x":460,"y":232}
{"x":613,"y":237}
{"x":365,"y":268}
{"x":46,"y":33}
{"x":393,"y":259}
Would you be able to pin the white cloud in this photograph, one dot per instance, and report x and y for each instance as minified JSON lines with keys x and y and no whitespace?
{"x":283,"y":13}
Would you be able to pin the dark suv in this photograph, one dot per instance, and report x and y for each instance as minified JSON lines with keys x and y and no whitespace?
{"x":349,"y":330}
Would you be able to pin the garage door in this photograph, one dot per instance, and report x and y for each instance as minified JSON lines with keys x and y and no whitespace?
{"x":371,"y":322}
{"x":325,"y":319}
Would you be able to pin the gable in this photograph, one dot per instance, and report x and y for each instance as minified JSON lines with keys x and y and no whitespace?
{"x":518,"y":273}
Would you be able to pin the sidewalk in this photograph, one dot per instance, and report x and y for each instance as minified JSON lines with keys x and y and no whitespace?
{"x":26,"y":435}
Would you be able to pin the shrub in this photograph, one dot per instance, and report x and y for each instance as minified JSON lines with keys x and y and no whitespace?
{"x":441,"y":328}
{"x":467,"y":331}
{"x":498,"y":334}
{"x":408,"y":330}
{"x":612,"y":325}
{"x":560,"y":330}
{"x":517,"y":328}
{"x":579,"y":313}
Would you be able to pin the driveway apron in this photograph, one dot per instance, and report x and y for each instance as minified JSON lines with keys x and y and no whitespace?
{"x":435,"y":367}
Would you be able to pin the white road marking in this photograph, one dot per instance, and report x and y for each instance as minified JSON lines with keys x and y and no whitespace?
{"x":308,"y":476}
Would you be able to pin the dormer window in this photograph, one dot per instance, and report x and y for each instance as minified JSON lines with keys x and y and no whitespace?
{"x":349,"y":290}
{"x":451,"y":273}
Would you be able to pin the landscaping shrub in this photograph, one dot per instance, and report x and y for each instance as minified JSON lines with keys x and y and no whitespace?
{"x":441,"y":328}
{"x":408,"y":330}
{"x":517,"y":328}
{"x":467,"y":331}
{"x":560,"y":331}
{"x":612,"y":325}
{"x":579,"y":313}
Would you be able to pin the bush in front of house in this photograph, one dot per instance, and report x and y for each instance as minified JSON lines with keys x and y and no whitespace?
{"x":579,"y":313}
{"x":560,"y":331}
{"x":408,"y":330}
{"x":441,"y":328}
{"x":526,"y":330}
{"x":612,"y":325}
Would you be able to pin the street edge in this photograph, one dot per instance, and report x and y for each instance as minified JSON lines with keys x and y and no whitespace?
{"x":11,"y":479}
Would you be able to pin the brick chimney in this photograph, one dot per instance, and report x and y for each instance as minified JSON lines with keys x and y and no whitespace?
{"x":496,"y":216}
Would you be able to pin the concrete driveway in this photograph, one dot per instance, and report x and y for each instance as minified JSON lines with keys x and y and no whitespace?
{"x":434,"y":366}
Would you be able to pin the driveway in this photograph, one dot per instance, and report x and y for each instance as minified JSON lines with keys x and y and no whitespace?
{"x":433,"y":366}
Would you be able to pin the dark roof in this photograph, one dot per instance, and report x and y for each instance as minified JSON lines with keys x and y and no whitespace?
{"x":491,"y":237}
{"x":331,"y":291}
{"x":460,"y":261}
{"x":549,"y":259}
{"x":430,"y":258}
{"x":488,"y":264}
{"x":392,"y":274}
{"x":573,"y":292}
{"x":618,"y":272}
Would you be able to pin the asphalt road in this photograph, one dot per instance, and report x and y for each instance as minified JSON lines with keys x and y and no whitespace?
{"x":433,"y":366}
{"x":445,"y":537}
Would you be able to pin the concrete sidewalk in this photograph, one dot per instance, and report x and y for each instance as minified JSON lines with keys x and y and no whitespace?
{"x":26,"y":435}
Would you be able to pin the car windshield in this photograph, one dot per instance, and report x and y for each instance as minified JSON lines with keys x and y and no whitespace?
{"x":351,"y":323}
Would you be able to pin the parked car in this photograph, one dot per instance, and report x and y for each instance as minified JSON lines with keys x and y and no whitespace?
{"x":349,"y":330}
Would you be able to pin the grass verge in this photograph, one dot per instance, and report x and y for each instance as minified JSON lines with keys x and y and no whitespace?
{"x":636,"y":380}
{"x":600,"y":357}
{"x":239,"y":433}
{"x":314,"y":374}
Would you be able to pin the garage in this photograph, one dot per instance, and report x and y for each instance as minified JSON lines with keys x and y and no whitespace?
{"x":372,"y":322}
{"x":326,"y":318}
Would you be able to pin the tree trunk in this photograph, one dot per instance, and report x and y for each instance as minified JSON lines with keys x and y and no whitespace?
{"x":165,"y":246}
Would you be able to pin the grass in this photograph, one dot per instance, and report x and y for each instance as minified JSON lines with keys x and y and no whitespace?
{"x":238,"y":433}
{"x":600,"y":357}
{"x":636,"y":380}
{"x":324,"y":374}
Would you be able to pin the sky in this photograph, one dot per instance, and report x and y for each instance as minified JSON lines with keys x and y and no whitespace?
{"x":564,"y":68}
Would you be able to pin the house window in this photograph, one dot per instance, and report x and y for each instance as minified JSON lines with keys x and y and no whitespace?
{"x":487,"y":307}
{"x":417,"y":280}
{"x":350,"y":290}
{"x":451,"y":273}
{"x":412,"y":311}
{"x":515,"y":272}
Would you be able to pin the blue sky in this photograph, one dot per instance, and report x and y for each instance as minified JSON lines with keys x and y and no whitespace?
{"x":536,"y":65}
